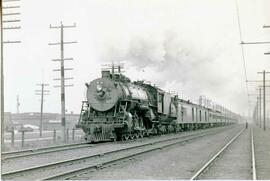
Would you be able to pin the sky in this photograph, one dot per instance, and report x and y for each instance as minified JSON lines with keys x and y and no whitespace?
{"x":191,"y":47}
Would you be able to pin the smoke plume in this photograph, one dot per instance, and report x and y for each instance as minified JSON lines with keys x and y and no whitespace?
{"x":175,"y":63}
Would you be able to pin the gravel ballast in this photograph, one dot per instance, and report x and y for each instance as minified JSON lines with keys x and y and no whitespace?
{"x":24,"y":162}
{"x":262,"y":152}
{"x":179,"y":162}
{"x":235,"y":163}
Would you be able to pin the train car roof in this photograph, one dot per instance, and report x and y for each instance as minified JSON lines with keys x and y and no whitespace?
{"x":188,"y":102}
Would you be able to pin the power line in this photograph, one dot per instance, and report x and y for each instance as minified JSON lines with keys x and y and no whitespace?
{"x":242,"y":48}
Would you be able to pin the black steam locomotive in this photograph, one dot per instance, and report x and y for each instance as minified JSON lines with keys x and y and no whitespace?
{"x":118,"y":109}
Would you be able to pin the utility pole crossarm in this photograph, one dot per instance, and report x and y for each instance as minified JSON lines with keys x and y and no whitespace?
{"x":68,"y":78}
{"x":38,"y":91}
{"x":10,"y":7}
{"x":256,"y":94}
{"x":8,"y":42}
{"x":264,"y":86}
{"x":63,"y":59}
{"x":11,"y":21}
{"x":12,"y":28}
{"x":69,"y":85}
{"x":257,"y":81}
{"x":10,"y":0}
{"x":68,"y":42}
{"x":253,"y":43}
{"x":66,"y":26}
{"x":43,"y":84}
{"x":10,"y":14}
{"x":61,"y":69}
{"x":263,"y":72}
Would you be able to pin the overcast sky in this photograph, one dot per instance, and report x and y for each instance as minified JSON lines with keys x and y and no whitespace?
{"x":188,"y":46}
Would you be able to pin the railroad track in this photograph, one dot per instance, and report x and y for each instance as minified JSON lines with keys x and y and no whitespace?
{"x":71,"y":167}
{"x":206,"y":166}
{"x":6,"y":156}
{"x":9,"y":156}
{"x":254,"y":172}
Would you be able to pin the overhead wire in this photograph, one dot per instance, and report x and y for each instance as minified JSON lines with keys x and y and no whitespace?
{"x":242,"y":48}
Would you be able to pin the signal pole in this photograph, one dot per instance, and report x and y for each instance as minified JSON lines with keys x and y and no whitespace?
{"x":62,"y":72}
{"x":18,"y":104}
{"x":4,"y":21}
{"x":41,"y":92}
{"x":259,"y":102}
{"x":260,"y":106}
{"x":256,"y":112}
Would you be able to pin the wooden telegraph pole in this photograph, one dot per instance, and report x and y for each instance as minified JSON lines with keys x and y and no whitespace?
{"x":62,"y":72}
{"x":264,"y":98}
{"x":41,"y":92}
{"x":5,"y":13}
{"x":2,"y":78}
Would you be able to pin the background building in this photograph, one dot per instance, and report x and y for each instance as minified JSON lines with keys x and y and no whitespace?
{"x":50,"y":120}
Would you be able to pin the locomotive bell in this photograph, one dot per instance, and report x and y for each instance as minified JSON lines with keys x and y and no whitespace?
{"x":102,"y":94}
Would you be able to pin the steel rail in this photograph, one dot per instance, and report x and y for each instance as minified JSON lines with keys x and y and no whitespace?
{"x":42,"y":150}
{"x":198,"y":173}
{"x":254,"y":175}
{"x":68,"y":161}
{"x":71,"y":173}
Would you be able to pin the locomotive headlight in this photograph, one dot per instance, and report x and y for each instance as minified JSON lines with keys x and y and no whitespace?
{"x":99,"y":88}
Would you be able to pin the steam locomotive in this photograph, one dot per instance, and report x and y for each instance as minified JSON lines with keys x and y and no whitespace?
{"x":118,"y":109}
